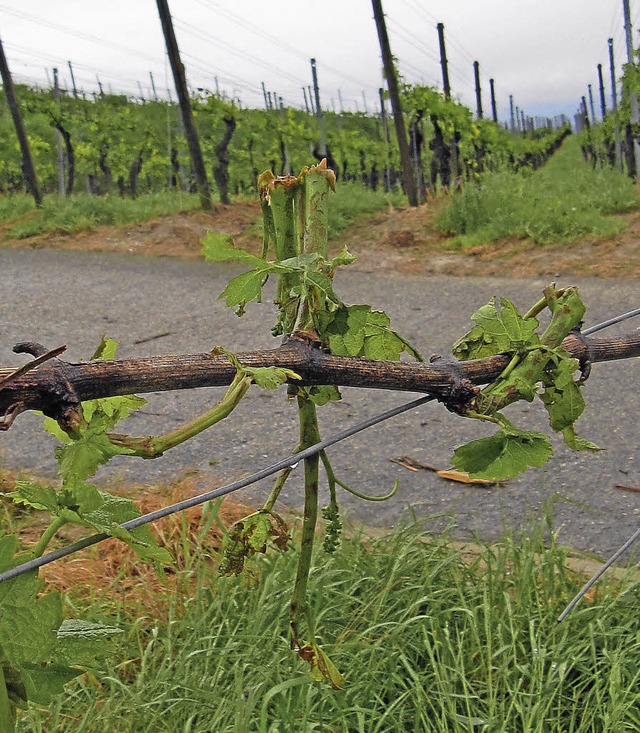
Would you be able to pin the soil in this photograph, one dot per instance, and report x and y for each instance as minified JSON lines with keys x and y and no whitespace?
{"x":404,"y":240}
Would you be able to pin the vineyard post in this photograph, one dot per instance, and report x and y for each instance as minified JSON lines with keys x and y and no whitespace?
{"x":513,"y":125}
{"x":476,"y":74}
{"x":59,"y":153}
{"x":385,"y":127}
{"x":27,"y":160}
{"x":587,"y":126}
{"x":633,"y":144}
{"x":179,"y":76}
{"x":494,"y":109}
{"x":285,"y":150}
{"x":304,"y":94}
{"x":591,"y":104}
{"x":446,"y":86}
{"x":396,"y":106}
{"x":603,"y":103}
{"x":311,"y":103}
{"x":264,"y":94}
{"x":614,"y":103}
{"x":316,"y":95}
{"x":73,"y":81}
{"x":340,"y":101}
{"x":153,"y":87}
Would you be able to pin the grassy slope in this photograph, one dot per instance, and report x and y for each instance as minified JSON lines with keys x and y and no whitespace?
{"x":564,"y":201}
{"x":427,"y":640}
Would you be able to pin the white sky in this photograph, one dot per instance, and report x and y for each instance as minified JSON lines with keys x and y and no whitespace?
{"x":544,"y":52}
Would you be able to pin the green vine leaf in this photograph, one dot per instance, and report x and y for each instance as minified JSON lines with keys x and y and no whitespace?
{"x":321,"y":667}
{"x":266,"y":377}
{"x":218,"y":247}
{"x":81,"y":458}
{"x":35,"y":495}
{"x":498,"y":330}
{"x":108,"y":411}
{"x":106,"y":349}
{"x":39,"y":684}
{"x":36,"y":658}
{"x":344,"y":258}
{"x":243,"y":288}
{"x":270,"y":377}
{"x":346,"y":330}
{"x":357,"y":330}
{"x":506,"y":454}
{"x":115,"y":510}
{"x":562,"y":397}
{"x":85,"y":643}
{"x":322,"y":394}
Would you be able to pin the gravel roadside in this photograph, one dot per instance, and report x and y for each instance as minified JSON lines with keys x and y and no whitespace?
{"x":161,"y":305}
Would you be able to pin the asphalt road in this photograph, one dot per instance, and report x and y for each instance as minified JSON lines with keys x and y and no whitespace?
{"x":162,"y":306}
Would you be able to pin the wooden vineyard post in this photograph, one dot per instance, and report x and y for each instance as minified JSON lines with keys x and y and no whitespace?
{"x":614,"y":104}
{"x":476,"y":75}
{"x":494,"y":109}
{"x":177,"y":67}
{"x":408,"y":175}
{"x":29,"y":169}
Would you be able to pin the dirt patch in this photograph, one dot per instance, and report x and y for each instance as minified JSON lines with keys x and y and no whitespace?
{"x":405,"y":240}
{"x":173,"y":235}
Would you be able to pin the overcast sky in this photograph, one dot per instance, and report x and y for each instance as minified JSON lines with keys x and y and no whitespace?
{"x":543,"y":52}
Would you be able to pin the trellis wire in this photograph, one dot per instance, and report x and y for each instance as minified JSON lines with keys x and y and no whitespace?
{"x":592,"y":581}
{"x":289,"y":462}
{"x":611,"y":322}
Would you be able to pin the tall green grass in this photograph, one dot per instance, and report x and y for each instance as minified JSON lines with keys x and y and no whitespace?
{"x":427,"y":641}
{"x":83,"y":211}
{"x":564,"y":201}
{"x":353,"y":201}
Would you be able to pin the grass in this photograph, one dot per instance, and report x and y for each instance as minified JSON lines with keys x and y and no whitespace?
{"x":353,"y":201}
{"x":428,"y":638}
{"x":83,"y":211}
{"x":564,"y":201}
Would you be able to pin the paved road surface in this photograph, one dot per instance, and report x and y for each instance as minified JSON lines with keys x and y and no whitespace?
{"x":73,"y":298}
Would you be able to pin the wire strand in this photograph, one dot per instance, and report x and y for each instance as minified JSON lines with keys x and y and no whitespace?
{"x":592,"y":581}
{"x":289,"y":462}
{"x":611,"y":322}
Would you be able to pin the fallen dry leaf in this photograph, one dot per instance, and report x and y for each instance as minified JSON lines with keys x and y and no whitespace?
{"x":448,"y":474}
{"x":463,"y":477}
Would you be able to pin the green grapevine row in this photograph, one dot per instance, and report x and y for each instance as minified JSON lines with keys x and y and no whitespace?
{"x":114,"y":145}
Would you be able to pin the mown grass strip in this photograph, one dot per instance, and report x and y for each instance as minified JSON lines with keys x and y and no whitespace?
{"x":565,"y":201}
